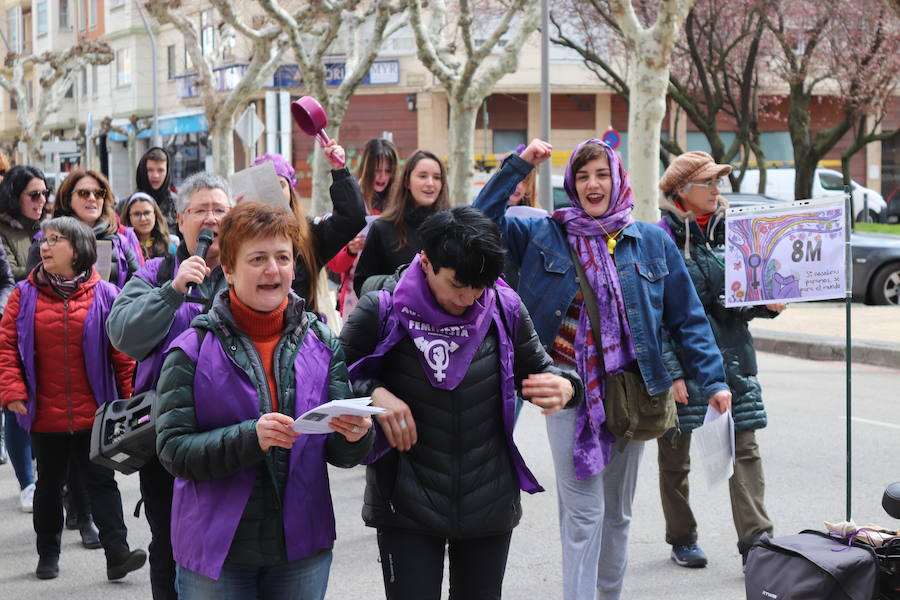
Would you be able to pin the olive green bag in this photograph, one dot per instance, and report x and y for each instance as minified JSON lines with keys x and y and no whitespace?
{"x":631,"y":413}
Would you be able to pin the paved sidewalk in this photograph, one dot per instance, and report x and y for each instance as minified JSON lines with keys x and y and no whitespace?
{"x":817,"y":331}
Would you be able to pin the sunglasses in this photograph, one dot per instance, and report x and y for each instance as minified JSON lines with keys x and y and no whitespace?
{"x":84,"y":194}
{"x":35,"y":194}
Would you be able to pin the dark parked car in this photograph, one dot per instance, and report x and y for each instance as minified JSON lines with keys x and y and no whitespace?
{"x":876,"y":257}
{"x":892,"y":212}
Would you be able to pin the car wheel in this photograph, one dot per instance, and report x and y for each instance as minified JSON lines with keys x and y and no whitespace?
{"x":886,"y":285}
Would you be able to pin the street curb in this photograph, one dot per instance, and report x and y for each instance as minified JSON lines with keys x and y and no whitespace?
{"x":820,"y":347}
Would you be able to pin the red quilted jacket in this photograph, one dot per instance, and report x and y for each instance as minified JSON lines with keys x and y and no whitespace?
{"x":65,"y":401}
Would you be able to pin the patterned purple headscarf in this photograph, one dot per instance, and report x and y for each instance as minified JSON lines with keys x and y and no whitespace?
{"x":587,"y":236}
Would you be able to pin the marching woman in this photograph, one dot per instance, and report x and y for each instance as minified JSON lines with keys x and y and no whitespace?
{"x":23,"y":196}
{"x":55,"y":324}
{"x":641,"y":286}
{"x":443,"y":347}
{"x":251,"y":511}
{"x":377,"y":173}
{"x":693,"y":215}
{"x":393,"y":240}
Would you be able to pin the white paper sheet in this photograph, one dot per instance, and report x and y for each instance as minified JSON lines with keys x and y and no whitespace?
{"x":714,"y":442}
{"x":258,"y":184}
{"x":104,"y":259}
{"x":317,"y":419}
{"x":526,"y":212}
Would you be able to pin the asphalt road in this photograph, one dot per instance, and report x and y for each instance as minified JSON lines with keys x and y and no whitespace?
{"x":803,"y":451}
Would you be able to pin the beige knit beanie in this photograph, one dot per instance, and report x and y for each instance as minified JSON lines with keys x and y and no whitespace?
{"x":691,"y":166}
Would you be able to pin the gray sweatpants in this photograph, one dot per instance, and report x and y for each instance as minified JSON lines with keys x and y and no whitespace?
{"x":594,"y":515}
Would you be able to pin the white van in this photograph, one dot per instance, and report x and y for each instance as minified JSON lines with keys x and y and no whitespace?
{"x":826,"y":184}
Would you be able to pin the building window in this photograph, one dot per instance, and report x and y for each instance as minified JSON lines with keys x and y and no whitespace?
{"x":64,"y":14}
{"x":207,"y":32}
{"x":93,"y":11}
{"x":170,"y":61}
{"x":84,"y":84}
{"x":12,"y":28}
{"x":12,"y":103}
{"x":29,"y":95}
{"x":42,"y":21}
{"x":95,"y":82}
{"x":70,"y":92}
{"x":123,"y":67}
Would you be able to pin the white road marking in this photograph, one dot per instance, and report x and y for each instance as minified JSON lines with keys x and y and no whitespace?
{"x":871,"y":422}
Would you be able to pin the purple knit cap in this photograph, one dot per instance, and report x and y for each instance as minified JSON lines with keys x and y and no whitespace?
{"x":282,"y":167}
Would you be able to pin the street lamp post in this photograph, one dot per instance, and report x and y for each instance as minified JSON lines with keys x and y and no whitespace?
{"x":545,"y":184}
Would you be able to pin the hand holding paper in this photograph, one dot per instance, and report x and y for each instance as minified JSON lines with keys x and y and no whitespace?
{"x":715,"y":442}
{"x":318,"y":419}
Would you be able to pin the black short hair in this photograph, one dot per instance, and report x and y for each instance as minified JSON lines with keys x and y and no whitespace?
{"x":465,"y":240}
{"x":82,"y":238}
{"x":14,"y":183}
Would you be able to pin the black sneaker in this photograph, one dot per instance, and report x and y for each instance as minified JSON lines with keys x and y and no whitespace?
{"x":132,"y":561}
{"x":47,"y":567}
{"x":690,"y":556}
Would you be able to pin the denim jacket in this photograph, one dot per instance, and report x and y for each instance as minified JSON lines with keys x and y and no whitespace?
{"x":657,"y":289}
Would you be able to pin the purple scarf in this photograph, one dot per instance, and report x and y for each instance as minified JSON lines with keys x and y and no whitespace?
{"x":593,"y":443}
{"x":446,"y":343}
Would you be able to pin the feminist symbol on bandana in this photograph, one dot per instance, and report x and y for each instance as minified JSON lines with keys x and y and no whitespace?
{"x":437,"y":354}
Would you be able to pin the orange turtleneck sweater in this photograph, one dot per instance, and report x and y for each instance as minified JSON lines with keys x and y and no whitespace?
{"x":264,"y":330}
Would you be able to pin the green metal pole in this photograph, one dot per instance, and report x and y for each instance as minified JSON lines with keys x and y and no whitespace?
{"x":848,"y":208}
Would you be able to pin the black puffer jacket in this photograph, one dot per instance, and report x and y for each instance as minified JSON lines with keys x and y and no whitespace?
{"x":458,"y":480}
{"x":331,"y":234}
{"x":380,"y":256}
{"x":729,"y":326}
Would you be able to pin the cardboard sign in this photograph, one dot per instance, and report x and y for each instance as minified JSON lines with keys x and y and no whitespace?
{"x":785,"y":253}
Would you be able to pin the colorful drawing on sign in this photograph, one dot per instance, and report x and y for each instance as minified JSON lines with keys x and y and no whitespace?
{"x":785,"y":254}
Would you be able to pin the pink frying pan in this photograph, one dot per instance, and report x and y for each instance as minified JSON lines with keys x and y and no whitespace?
{"x":311,"y":118}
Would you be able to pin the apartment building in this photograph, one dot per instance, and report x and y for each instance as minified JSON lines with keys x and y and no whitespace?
{"x":399,"y":98}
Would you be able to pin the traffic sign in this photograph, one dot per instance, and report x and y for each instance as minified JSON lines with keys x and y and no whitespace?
{"x":249,"y":127}
{"x":612,"y":138}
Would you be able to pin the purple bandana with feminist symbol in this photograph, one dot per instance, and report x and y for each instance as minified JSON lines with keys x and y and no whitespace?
{"x":446,"y":343}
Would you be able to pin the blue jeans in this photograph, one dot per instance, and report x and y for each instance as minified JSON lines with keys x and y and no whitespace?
{"x":18,"y":445}
{"x":303,"y":579}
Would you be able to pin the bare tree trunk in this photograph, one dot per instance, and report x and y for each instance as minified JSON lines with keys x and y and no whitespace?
{"x":648,"y":83}
{"x":462,"y":149}
{"x":221,"y":132}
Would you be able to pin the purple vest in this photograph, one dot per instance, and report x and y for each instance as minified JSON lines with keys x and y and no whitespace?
{"x":147,"y":370}
{"x":392,"y":332}
{"x":100,"y":373}
{"x":206,"y":514}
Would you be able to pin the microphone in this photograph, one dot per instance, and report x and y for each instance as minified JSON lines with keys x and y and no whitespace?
{"x":204,"y":241}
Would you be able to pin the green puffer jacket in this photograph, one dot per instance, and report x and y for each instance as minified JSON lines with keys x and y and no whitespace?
{"x":190,"y":454}
{"x":729,"y":326}
{"x":16,"y":234}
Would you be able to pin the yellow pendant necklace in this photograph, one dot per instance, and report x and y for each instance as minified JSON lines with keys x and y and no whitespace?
{"x":610,"y":239}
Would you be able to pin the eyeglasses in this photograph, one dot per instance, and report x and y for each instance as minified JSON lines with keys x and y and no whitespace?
{"x":35,"y":194}
{"x":84,"y":194}
{"x":51,"y":240}
{"x":202,"y":213}
{"x":720,"y":182}
{"x":144,"y":214}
